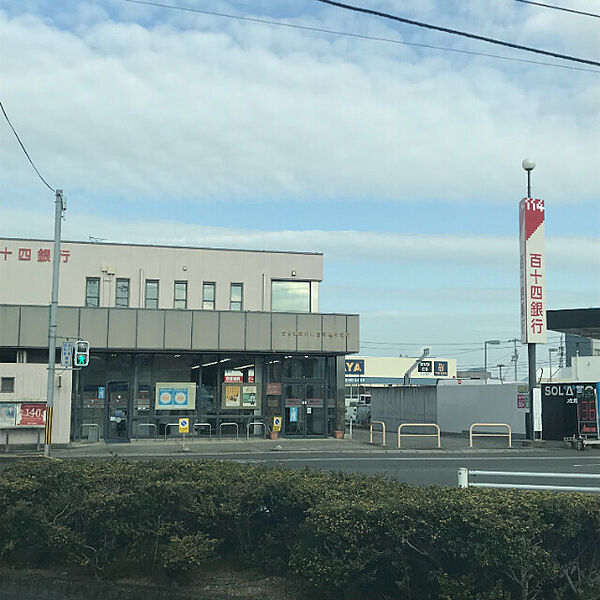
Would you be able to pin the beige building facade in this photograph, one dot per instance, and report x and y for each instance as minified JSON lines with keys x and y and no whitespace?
{"x":134,"y":276}
{"x":217,"y":336}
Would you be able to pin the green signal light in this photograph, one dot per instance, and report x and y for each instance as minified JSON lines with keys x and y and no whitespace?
{"x":81,"y":359}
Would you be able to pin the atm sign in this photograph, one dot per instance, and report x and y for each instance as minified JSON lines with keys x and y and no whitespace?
{"x":355,"y":367}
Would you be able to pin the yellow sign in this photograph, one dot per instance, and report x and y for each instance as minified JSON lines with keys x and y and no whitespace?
{"x":276,"y":423}
{"x":184,"y":425}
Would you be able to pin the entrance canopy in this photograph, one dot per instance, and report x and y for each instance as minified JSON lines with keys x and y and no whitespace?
{"x":584,"y":322}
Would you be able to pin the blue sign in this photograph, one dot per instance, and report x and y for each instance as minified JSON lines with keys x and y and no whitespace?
{"x":440,"y":368}
{"x":101,"y":390}
{"x":293,"y":414}
{"x":66,"y":355}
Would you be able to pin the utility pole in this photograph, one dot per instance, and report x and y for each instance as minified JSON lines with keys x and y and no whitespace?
{"x":500,"y":371}
{"x":60,"y":206}
{"x":515,"y":357}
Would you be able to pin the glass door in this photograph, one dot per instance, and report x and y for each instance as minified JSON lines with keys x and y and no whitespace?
{"x":117,"y":407}
{"x":314,"y":402}
{"x":304,"y":409}
{"x":294,"y":417}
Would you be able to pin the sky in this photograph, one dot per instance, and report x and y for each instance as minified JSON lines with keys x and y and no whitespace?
{"x":400,"y":159}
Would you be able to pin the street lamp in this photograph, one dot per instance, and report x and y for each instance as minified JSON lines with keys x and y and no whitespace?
{"x":500,"y":371}
{"x":529,"y":165}
{"x":485,"y":345}
{"x":550,"y":351}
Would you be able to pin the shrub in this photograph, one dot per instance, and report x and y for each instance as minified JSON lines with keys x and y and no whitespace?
{"x":349,"y":535}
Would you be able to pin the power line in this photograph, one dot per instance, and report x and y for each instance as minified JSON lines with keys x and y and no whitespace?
{"x":24,"y":150}
{"x":357,"y":35}
{"x":564,"y":9}
{"x":465,"y":34}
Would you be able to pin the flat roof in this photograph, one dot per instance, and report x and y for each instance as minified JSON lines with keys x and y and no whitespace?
{"x":106,"y":243}
{"x":584,"y":322}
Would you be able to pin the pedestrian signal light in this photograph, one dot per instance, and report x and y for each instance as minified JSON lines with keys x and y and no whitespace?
{"x":82,"y":354}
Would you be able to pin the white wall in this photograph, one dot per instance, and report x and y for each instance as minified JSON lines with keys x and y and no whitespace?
{"x":460,"y":406}
{"x":30,"y":386}
{"x":583,"y":368}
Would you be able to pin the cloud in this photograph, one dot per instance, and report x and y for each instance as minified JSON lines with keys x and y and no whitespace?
{"x":237,"y":110}
{"x":463,"y":252}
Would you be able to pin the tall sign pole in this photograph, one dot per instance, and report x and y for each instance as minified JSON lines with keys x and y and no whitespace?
{"x":533,"y":278}
{"x":60,"y":206}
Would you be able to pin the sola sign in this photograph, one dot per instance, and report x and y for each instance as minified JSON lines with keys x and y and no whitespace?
{"x":533,"y":271}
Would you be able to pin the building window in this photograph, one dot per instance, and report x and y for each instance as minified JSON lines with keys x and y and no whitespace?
{"x":7,"y":385}
{"x":122,"y":293}
{"x":180,"y":294}
{"x":151,"y":293}
{"x":208,"y":296}
{"x":236,"y":296}
{"x":290,"y":296}
{"x":92,"y":291}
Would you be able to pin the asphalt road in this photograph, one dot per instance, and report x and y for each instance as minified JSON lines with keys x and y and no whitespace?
{"x":418,"y":467}
{"x":434,"y":469}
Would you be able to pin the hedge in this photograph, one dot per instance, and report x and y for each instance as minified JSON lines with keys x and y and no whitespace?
{"x":350,"y":536}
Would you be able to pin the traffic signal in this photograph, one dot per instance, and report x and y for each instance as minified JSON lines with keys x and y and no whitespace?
{"x":82,"y":354}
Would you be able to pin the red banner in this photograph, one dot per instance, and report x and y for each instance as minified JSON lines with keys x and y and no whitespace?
{"x":32,"y":414}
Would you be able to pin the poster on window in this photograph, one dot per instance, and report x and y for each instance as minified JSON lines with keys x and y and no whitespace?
{"x":175,"y":396}
{"x":8,"y":415}
{"x":232,"y":396}
{"x":250,"y":397}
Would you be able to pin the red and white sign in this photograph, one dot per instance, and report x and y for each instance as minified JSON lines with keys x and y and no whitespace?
{"x":32,"y":414}
{"x":234,"y":376}
{"x":41,"y":255}
{"x":533,"y":271}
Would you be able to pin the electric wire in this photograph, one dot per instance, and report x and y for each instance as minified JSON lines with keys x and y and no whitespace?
{"x":562,"y":8}
{"x":465,"y":34}
{"x":358,"y":35}
{"x":25,"y":150}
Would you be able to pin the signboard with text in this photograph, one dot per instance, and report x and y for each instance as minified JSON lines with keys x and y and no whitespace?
{"x":175,"y":396}
{"x":560,"y":413}
{"x":587,"y":411}
{"x":32,"y":414}
{"x":532,"y":270}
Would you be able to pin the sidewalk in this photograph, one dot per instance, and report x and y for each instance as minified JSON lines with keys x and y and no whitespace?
{"x":174,"y":447}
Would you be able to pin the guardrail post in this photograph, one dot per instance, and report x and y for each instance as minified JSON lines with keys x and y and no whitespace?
{"x":463,"y":477}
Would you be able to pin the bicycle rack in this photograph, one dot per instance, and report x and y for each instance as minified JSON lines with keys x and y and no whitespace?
{"x":382,"y":431}
{"x":256,"y":424}
{"x":203,"y":425}
{"x":149,"y":425}
{"x":167,"y":428}
{"x":508,"y":434}
{"x":237,"y":429}
{"x":435,"y":435}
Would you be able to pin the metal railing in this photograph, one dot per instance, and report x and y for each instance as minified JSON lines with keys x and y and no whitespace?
{"x":39,"y":429}
{"x":256,"y":424}
{"x":436,"y":435}
{"x":149,"y":425}
{"x":90,"y":425}
{"x":203,"y":425}
{"x":167,"y":428}
{"x":508,"y":434}
{"x":464,"y":474}
{"x":237,"y":429}
{"x":382,"y":431}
